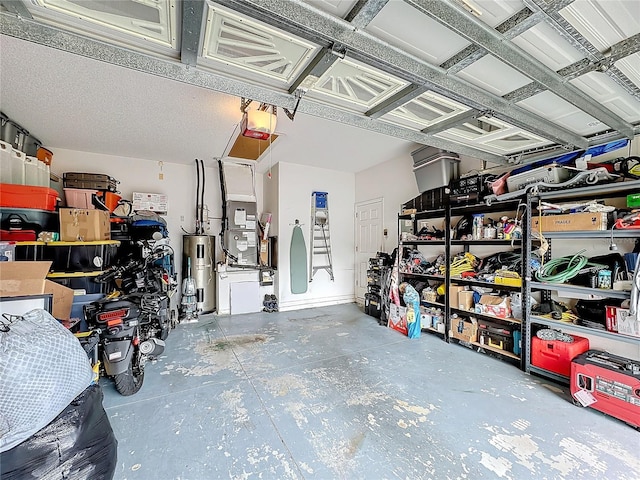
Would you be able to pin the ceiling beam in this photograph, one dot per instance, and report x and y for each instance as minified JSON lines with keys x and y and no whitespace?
{"x":17,"y":7}
{"x":33,"y":31}
{"x":359,"y":16}
{"x":192,"y":14}
{"x":467,"y":26}
{"x":556,"y":21}
{"x":405,"y":95}
{"x":518,"y":23}
{"x":316,"y":68}
{"x":618,"y":51}
{"x":457,"y":119}
{"x":364,"y":11}
{"x":319,"y":27}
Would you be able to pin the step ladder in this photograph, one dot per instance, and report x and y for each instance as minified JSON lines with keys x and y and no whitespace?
{"x":320,"y":240}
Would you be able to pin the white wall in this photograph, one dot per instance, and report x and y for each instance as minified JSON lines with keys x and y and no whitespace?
{"x":395,"y":182}
{"x":296,"y":183}
{"x":178,"y":182}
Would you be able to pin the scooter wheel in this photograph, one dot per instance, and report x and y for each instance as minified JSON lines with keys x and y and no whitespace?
{"x":129,"y":382}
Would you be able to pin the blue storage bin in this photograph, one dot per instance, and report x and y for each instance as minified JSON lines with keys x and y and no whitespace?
{"x":77,"y":308}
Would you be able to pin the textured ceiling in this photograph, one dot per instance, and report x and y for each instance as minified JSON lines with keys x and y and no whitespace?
{"x":73,"y":102}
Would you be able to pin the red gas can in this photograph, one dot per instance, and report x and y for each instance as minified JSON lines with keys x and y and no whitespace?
{"x":27,"y":196}
{"x":607,"y":383}
{"x":555,"y":355}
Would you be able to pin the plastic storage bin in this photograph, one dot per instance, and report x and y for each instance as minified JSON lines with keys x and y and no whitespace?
{"x":77,"y":307}
{"x":7,"y":251}
{"x":556,"y":356}
{"x":32,"y":172}
{"x":31,"y":145}
{"x":81,"y":256}
{"x":79,"y":198}
{"x":29,"y":219}
{"x":434,"y":168}
{"x":12,"y":133}
{"x":17,"y":167}
{"x":27,"y":196}
{"x":29,"y":251}
{"x":79,"y":281}
{"x":6,"y":163}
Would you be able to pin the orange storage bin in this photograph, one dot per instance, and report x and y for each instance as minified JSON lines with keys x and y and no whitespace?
{"x":44,"y":155}
{"x":27,"y":196}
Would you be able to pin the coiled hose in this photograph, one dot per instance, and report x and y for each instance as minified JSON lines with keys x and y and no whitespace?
{"x":562,"y":269}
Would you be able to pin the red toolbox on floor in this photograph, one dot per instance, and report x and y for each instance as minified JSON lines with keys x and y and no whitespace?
{"x":27,"y":196}
{"x":607,"y":383}
{"x":555,"y":355}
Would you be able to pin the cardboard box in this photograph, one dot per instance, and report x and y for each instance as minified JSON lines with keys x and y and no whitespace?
{"x":465,"y":300}
{"x":570,"y":222}
{"x":77,"y":224}
{"x":29,"y":278}
{"x":264,"y":252}
{"x":453,"y":292}
{"x":611,"y":317}
{"x":494,"y":305}
{"x":464,"y":329}
{"x":626,"y":324}
{"x":398,"y":318}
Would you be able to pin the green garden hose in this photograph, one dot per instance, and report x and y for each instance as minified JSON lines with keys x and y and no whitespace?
{"x":562,"y":269}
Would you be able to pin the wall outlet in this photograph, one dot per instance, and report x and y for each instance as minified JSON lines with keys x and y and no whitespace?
{"x":161,"y":176}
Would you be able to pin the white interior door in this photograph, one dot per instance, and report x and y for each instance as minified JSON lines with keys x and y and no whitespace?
{"x":369,"y":240}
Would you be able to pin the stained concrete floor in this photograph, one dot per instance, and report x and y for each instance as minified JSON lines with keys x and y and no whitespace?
{"x":326,"y":393}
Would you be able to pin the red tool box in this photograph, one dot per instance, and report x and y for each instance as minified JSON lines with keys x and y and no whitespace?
{"x":555,"y":355}
{"x":27,"y":196}
{"x":608,"y":383}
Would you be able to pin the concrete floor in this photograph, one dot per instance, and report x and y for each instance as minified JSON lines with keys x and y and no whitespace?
{"x":326,"y":393}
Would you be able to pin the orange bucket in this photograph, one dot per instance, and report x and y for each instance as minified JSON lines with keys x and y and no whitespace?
{"x":109,"y":200}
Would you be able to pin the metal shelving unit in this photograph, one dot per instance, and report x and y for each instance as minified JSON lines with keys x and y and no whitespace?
{"x":592,"y":293}
{"x":422,"y":242}
{"x":585,"y":330}
{"x":460,"y":210}
{"x":480,"y":283}
{"x":415,"y":218}
{"x":585,"y":193}
{"x":486,"y":241}
{"x":590,"y":192}
{"x":504,"y":353}
{"x":459,"y":311}
{"x":448,"y":242}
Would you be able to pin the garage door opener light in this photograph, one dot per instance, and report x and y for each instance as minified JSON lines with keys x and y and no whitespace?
{"x":259,"y":124}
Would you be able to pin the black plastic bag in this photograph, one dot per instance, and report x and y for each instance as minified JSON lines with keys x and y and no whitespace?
{"x":78,"y":444}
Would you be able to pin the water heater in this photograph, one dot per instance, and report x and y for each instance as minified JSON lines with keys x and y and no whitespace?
{"x":200,"y":249}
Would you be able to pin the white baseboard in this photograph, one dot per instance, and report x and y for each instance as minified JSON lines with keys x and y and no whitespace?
{"x":316,"y":302}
